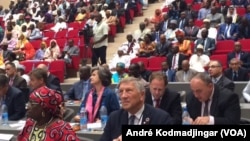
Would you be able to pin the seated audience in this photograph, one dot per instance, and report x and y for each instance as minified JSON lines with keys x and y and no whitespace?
{"x":212,"y":32}
{"x":13,"y":98}
{"x":207,"y":43}
{"x":164,"y":98}
{"x":240,"y":54}
{"x":119,"y":57}
{"x":228,"y":30}
{"x":134,"y":71}
{"x":5,"y":51}
{"x":110,"y":19}
{"x":209,"y":104}
{"x":79,"y":89}
{"x":186,"y":73}
{"x":100,"y":95}
{"x":70,"y":50}
{"x":52,"y":81}
{"x":44,"y":118}
{"x":24,"y":49}
{"x":119,"y":74}
{"x":141,"y":32}
{"x":145,"y":73}
{"x":14,"y":79}
{"x":41,"y":51}
{"x":235,"y":72}
{"x":191,"y":30}
{"x":215,"y":70}
{"x":60,"y":25}
{"x":163,"y":47}
{"x":167,"y":71}
{"x":199,"y":60}
{"x":34,"y":33}
{"x":184,"y":45}
{"x":52,"y":52}
{"x":134,"y":111}
{"x":130,"y":47}
{"x":147,"y":46}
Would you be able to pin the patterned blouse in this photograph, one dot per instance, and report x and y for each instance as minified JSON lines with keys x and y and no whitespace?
{"x":57,"y":131}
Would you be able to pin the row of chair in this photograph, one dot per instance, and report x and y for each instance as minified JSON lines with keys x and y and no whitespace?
{"x":56,"y":67}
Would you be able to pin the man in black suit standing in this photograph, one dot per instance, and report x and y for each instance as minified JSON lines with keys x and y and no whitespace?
{"x":238,"y":53}
{"x":209,"y":104}
{"x":175,"y":58}
{"x":13,"y":98}
{"x":162,"y":97}
{"x":236,"y":72}
{"x":53,"y":82}
{"x":215,"y":71}
{"x":134,"y":111}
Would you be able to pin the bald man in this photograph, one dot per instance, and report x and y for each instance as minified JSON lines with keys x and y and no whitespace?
{"x":53,"y":81}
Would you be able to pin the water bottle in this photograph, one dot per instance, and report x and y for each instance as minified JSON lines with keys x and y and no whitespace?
{"x":103,"y":115}
{"x":185,"y":117}
{"x":83,"y":119}
{"x":5,"y":117}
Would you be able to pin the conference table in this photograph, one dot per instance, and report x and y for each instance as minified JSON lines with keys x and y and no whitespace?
{"x":15,"y":127}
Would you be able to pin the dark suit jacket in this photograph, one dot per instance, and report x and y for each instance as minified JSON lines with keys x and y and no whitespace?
{"x":76,"y":91}
{"x":244,"y":57}
{"x":183,"y":24}
{"x":162,"y":24}
{"x":183,"y":5}
{"x":242,"y":74}
{"x":233,"y":30}
{"x":191,"y":31}
{"x":15,"y":103}
{"x":162,"y":49}
{"x":151,"y":115}
{"x":226,"y":83}
{"x":155,"y":34}
{"x":53,"y":82}
{"x":181,"y":58}
{"x":225,"y":106}
{"x":19,"y":82}
{"x":170,"y":102}
{"x":209,"y":45}
{"x":170,"y":75}
{"x":244,"y":31}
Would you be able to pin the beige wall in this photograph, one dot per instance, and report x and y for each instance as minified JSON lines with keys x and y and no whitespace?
{"x":5,"y":3}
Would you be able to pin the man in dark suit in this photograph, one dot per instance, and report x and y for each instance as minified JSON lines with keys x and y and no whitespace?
{"x":14,"y":79}
{"x":228,"y":30}
{"x":166,"y":70}
{"x":209,"y":104}
{"x":215,"y":71}
{"x":175,"y":58}
{"x":13,"y":98}
{"x":238,"y":53}
{"x":182,"y":21}
{"x":156,"y":34}
{"x":191,"y":30}
{"x":163,"y":47}
{"x":208,"y":43}
{"x":223,"y":7}
{"x":134,"y":111}
{"x":162,"y":97}
{"x":80,"y":88}
{"x":236,"y":72}
{"x":164,"y":24}
{"x":53,"y":82}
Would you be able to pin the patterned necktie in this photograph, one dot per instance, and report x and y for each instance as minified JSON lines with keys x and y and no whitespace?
{"x":11,"y":81}
{"x":132,"y":120}
{"x":157,"y":103}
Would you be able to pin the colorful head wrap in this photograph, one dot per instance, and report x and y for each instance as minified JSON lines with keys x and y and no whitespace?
{"x":121,"y":65}
{"x":47,"y":98}
{"x":179,"y":33}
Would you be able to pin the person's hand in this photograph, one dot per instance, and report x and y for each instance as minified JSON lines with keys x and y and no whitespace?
{"x":77,"y":118}
{"x":201,"y":121}
{"x":118,"y":139}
